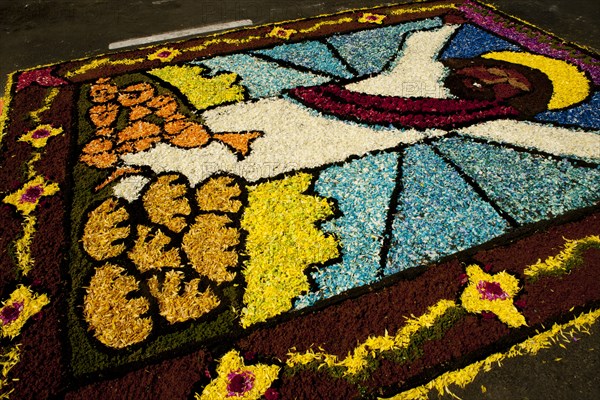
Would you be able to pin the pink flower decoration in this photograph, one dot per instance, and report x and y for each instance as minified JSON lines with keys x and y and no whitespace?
{"x":240,"y":382}
{"x":11,"y":313}
{"x":32,"y":194}
{"x":41,"y":133}
{"x":42,"y":77}
{"x":491,"y":291}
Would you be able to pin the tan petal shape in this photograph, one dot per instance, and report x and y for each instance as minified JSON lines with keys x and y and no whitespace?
{"x":218,"y":194}
{"x":149,"y":250}
{"x":111,"y":314}
{"x":191,"y":304}
{"x":498,"y":72}
{"x":166,"y":203}
{"x":101,"y":231}
{"x":207,"y":245}
{"x":518,"y":84}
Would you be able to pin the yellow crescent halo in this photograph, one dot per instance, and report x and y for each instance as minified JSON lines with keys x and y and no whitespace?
{"x":571,"y":86}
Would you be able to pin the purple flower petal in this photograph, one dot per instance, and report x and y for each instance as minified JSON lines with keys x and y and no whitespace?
{"x":11,"y":313}
{"x":491,"y":291}
{"x":32,"y":194}
{"x":240,"y":382}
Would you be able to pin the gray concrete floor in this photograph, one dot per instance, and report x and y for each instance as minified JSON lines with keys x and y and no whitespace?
{"x":36,"y":32}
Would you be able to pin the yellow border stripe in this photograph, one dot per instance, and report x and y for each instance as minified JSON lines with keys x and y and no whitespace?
{"x":318,"y":25}
{"x":558,"y":263}
{"x":25,"y":261}
{"x":7,"y":100}
{"x":7,"y":361}
{"x":357,"y":361}
{"x":531,"y":346}
{"x":423,"y":9}
{"x":35,"y":115}
{"x":101,"y":62}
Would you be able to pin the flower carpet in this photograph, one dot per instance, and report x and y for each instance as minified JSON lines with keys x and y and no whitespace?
{"x":371,"y":204}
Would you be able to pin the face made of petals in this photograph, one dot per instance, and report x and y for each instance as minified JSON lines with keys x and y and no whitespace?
{"x":526,"y":89}
{"x":494,"y":83}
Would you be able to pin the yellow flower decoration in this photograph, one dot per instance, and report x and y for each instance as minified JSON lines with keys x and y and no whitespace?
{"x":238,"y":381}
{"x":28,"y":197}
{"x":281,"y":33}
{"x":164,"y":54}
{"x":368,"y":18}
{"x":493,"y":293}
{"x":20,"y":306}
{"x":39,"y":136}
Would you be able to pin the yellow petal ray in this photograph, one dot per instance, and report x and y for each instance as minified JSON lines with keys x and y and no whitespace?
{"x":571,"y":86}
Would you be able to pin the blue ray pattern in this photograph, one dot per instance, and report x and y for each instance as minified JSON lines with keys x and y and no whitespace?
{"x":312,"y":55}
{"x":369,"y":51}
{"x":262,"y":78}
{"x":530,"y":187}
{"x":585,"y":115}
{"x":471,"y":41}
{"x":438,"y":213}
{"x":362,"y":189}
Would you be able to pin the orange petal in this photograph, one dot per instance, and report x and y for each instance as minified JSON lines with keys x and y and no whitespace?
{"x":104,"y":115}
{"x":138,"y":145}
{"x":98,"y":145}
{"x":116,"y":175}
{"x":160,"y":101}
{"x":240,"y":142}
{"x":193,"y":136}
{"x":167,"y":110}
{"x":136,"y":94}
{"x":137,"y":130}
{"x":138,"y":112}
{"x":174,"y":127}
{"x":105,"y":132}
{"x":103,"y":91}
{"x":126,"y":148}
{"x":164,"y":105}
{"x":100,"y":160}
{"x":175,"y":117}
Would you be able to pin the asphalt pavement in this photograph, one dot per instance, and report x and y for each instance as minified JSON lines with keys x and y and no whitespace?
{"x":39,"y":32}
